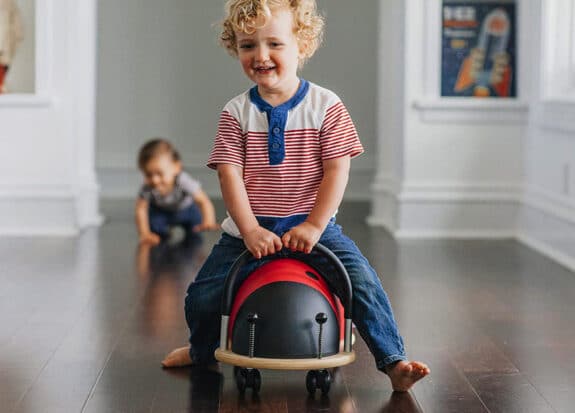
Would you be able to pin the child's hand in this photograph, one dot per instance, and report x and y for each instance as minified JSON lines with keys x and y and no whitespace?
{"x":261,"y":242}
{"x":302,"y":237}
{"x":150,"y":238}
{"x":207,"y":226}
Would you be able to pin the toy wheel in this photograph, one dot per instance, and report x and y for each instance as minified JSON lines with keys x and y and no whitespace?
{"x":256,"y":380}
{"x":311,"y":381}
{"x":324,"y":381}
{"x":241,"y":379}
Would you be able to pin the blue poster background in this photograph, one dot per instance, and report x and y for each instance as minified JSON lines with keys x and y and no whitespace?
{"x":467,"y":68}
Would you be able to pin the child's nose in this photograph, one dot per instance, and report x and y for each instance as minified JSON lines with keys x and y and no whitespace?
{"x":262,"y":54}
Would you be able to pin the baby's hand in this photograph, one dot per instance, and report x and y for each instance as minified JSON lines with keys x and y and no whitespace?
{"x":150,"y":238}
{"x":261,"y":242}
{"x":302,"y":237}
{"x":207,"y":226}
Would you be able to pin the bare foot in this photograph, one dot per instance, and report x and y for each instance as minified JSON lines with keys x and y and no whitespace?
{"x":404,"y":374}
{"x":178,"y":358}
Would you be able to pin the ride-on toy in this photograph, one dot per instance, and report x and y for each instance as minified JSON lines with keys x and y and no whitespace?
{"x":285,"y":316}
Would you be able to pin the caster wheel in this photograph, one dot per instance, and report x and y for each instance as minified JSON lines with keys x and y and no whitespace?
{"x":324,"y":381}
{"x":242,"y":379}
{"x":311,"y":380}
{"x":255,"y":380}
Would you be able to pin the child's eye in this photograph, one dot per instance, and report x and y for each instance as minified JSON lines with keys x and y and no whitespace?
{"x":275,"y":44}
{"x":246,"y":46}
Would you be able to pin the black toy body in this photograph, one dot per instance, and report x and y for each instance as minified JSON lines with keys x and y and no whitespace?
{"x":285,"y":316}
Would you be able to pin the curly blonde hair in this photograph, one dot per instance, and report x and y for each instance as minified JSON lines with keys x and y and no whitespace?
{"x":249,"y":15}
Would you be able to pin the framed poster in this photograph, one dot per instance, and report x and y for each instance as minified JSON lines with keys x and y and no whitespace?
{"x":478,"y":48}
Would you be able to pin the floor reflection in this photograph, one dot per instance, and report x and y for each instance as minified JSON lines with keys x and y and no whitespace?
{"x":205,"y":389}
{"x":166,"y":271}
{"x":403,"y":402}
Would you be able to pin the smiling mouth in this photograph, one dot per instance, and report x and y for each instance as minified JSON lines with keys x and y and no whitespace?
{"x":264,"y":70}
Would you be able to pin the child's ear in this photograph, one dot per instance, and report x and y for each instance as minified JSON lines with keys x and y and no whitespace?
{"x":303,"y":47}
{"x":179,"y":166}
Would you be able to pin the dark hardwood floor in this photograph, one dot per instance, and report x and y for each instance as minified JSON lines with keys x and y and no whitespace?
{"x":85,"y":322}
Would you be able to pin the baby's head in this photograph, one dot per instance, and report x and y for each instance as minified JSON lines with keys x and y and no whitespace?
{"x":249,"y":15}
{"x":160,"y":164}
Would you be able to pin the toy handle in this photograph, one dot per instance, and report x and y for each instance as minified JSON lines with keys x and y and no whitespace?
{"x":342,"y":278}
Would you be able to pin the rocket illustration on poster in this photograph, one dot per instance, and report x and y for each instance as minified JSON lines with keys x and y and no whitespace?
{"x":479,"y":49}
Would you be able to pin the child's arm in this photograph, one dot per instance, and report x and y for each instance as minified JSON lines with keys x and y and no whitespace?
{"x":259,"y":241}
{"x":142,"y":224}
{"x":303,"y":237}
{"x":207,"y":210}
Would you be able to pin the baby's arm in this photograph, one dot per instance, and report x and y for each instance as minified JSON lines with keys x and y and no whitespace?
{"x":142,"y":224}
{"x":330,"y":193}
{"x":207,"y":210}
{"x":259,"y":241}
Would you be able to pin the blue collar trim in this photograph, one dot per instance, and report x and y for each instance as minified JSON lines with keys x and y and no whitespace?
{"x":277,"y":119}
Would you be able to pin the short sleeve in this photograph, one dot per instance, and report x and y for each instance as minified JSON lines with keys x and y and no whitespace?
{"x":229,"y":145}
{"x":338,"y":136}
{"x":188,"y":184}
{"x":145,"y":193}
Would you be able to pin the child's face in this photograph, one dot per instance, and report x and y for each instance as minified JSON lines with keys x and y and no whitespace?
{"x":160,"y":173}
{"x":270,"y":55}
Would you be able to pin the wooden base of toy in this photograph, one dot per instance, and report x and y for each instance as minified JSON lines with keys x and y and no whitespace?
{"x":337,"y":360}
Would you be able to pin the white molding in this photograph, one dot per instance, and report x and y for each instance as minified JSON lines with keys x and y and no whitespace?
{"x":385,"y":183}
{"x":556,"y":205}
{"x":448,"y":191}
{"x":82,"y":38}
{"x":460,"y":109}
{"x":24,"y":232}
{"x":553,"y":253}
{"x":455,"y":234}
{"x":384,"y":203}
{"x":557,"y":114}
{"x":481,"y":210}
{"x":432,"y":48}
{"x":27,"y":212}
{"x":463,"y":192}
{"x":17,"y":100}
{"x":39,"y":191}
{"x":558,"y":49}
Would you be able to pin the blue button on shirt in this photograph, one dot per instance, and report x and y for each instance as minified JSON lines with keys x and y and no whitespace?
{"x":277,"y":119}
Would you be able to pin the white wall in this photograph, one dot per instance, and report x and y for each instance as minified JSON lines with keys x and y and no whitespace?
{"x":47,"y":180}
{"x":457,"y":167}
{"x":477,"y":168}
{"x":547,"y":217}
{"x":161,"y":72}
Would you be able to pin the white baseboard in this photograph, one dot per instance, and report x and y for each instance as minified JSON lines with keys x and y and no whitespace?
{"x":462,"y":234}
{"x":39,"y":215}
{"x":547,"y":224}
{"x":538,"y":218}
{"x":440,"y":210}
{"x":566,"y":260}
{"x":56,"y":211}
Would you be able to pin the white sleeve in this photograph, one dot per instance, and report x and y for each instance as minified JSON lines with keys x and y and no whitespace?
{"x":188,"y":184}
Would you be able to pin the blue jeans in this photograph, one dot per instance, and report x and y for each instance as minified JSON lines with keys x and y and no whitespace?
{"x":161,"y":220}
{"x":372,"y":313}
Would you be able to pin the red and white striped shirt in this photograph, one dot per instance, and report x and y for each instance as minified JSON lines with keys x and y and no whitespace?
{"x":316,"y":129}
